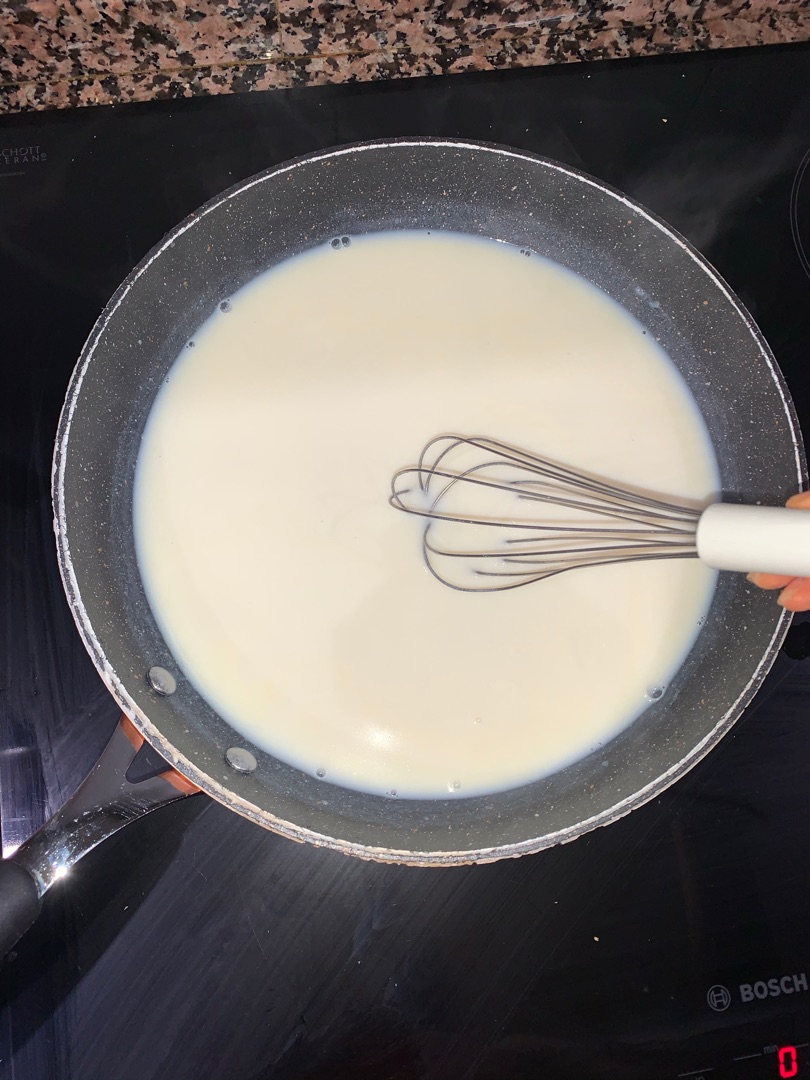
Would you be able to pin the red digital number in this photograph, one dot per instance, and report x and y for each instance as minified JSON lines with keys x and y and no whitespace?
{"x":788,"y":1061}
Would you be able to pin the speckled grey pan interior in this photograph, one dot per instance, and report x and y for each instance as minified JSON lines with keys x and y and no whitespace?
{"x":435,"y":184}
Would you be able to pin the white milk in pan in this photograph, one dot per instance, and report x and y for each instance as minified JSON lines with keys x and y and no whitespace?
{"x":296,"y":600}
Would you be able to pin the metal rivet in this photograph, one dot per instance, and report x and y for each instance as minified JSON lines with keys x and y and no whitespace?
{"x":161,"y":681}
{"x":240,"y":759}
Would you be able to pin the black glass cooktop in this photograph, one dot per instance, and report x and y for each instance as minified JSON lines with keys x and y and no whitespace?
{"x":673,"y":943}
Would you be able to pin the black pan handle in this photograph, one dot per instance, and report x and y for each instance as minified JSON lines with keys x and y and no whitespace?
{"x":130,"y":779}
{"x":20,"y":902}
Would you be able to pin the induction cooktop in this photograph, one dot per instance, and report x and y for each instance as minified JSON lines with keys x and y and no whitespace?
{"x":673,"y":943}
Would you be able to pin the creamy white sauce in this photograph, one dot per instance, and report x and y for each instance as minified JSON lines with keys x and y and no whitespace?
{"x":297,"y":601}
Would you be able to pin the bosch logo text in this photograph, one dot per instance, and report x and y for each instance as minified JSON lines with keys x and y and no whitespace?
{"x":765,"y":988}
{"x":719,"y":997}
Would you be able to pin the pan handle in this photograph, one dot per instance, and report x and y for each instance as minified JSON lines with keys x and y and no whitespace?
{"x":130,"y":779}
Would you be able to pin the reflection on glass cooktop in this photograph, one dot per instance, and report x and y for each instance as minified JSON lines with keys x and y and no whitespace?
{"x":672,"y":943}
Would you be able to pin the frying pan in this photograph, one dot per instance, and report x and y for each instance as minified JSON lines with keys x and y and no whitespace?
{"x":171,"y":742}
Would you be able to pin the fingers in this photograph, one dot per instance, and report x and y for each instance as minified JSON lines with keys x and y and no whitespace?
{"x":770,"y":581}
{"x":796,"y":596}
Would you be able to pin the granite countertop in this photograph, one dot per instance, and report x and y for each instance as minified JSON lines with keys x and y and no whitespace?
{"x":57,"y":55}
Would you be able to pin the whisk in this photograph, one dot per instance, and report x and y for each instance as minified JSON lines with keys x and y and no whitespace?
{"x":498,"y":517}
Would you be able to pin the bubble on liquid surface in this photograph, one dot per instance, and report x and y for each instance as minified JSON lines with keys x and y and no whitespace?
{"x":225,"y":306}
{"x":336,"y":244}
{"x":320,"y":773}
{"x":655,"y":693}
{"x":392,"y":794}
{"x":454,"y":785}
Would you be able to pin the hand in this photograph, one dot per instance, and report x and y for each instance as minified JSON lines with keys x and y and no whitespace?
{"x":795,"y":594}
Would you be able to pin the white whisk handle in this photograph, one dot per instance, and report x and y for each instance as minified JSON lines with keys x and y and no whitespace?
{"x":769,"y":539}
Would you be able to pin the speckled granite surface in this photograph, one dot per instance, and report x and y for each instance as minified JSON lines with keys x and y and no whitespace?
{"x":55,"y":55}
